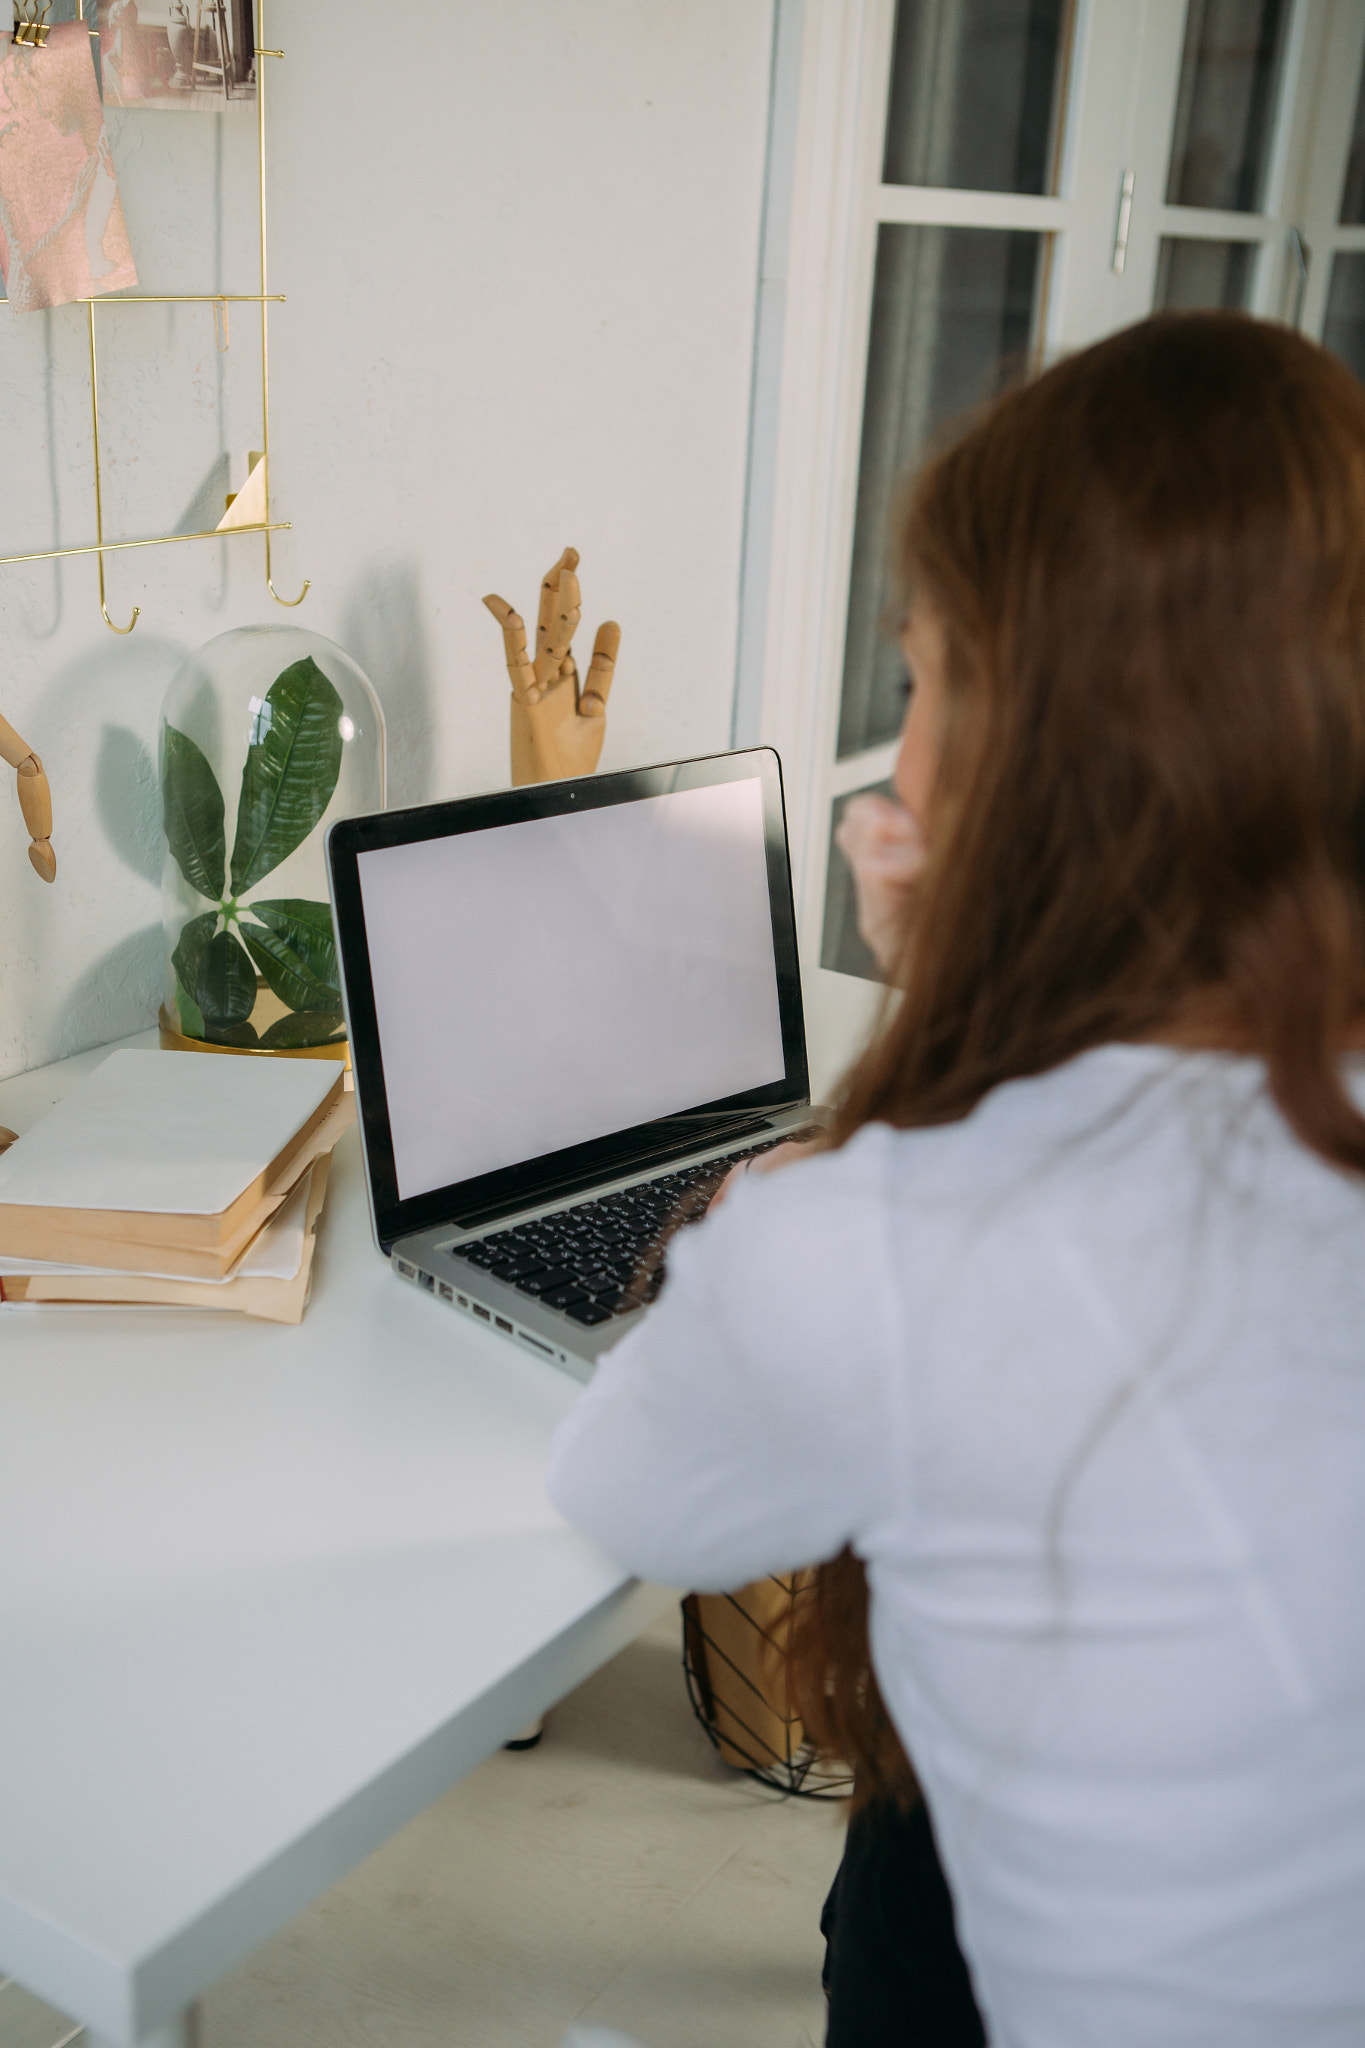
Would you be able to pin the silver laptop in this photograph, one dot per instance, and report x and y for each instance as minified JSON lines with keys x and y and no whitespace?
{"x":571,"y":1007}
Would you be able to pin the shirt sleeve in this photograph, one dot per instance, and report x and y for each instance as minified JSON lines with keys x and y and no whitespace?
{"x":745,"y":1427}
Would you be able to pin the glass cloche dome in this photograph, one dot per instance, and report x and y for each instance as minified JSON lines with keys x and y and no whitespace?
{"x":268,"y":733}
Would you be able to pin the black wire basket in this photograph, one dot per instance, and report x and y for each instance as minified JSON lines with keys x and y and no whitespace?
{"x":734,"y":1661}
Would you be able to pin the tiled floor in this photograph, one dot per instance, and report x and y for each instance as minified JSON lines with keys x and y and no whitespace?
{"x":618,"y":1875}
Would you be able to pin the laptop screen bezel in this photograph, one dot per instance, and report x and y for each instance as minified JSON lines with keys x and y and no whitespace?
{"x":522,"y":1185}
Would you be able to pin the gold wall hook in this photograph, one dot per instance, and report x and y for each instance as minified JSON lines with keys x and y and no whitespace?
{"x":289,"y":603}
{"x":99,"y":494}
{"x":220,"y":325}
{"x":31,"y":24}
{"x":137,"y":609}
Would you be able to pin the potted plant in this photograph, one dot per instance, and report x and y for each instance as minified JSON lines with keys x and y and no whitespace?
{"x":267,"y":734}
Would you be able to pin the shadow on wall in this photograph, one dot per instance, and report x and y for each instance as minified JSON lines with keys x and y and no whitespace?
{"x":126,"y":983}
{"x":118,"y":994}
{"x":385,"y":630}
{"x":107,"y":833}
{"x":128,"y":801}
{"x":208,"y":502}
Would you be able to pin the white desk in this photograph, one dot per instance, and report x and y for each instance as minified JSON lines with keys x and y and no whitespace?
{"x":264,"y":1594}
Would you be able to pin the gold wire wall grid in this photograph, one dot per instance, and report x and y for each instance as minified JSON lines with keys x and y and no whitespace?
{"x":34,"y":26}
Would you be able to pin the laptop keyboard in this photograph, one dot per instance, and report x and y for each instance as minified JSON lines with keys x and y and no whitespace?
{"x":604,"y":1258}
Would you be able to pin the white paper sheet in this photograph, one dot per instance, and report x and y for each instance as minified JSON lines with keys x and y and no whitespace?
{"x":172,"y":1133}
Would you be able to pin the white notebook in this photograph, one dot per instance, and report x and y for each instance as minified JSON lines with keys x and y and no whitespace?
{"x":170,"y":1133}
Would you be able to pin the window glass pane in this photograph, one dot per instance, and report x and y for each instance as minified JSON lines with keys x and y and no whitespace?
{"x":952,"y":310}
{"x":1353,"y":192}
{"x":1193,"y":274}
{"x":1343,"y":330}
{"x":841,"y":947}
{"x":1225,"y":107}
{"x":976,"y":93}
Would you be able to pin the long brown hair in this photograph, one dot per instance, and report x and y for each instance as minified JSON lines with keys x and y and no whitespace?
{"x":1149,"y":805}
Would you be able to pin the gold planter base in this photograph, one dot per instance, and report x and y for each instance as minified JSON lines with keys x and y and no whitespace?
{"x":175,"y":1041}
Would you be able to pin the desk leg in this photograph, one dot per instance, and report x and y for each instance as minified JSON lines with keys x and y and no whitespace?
{"x":181,"y":2032}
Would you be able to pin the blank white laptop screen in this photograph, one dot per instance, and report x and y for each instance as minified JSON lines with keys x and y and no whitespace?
{"x":546,"y":983}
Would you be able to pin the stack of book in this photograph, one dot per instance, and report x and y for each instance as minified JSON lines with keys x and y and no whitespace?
{"x":174,"y":1179}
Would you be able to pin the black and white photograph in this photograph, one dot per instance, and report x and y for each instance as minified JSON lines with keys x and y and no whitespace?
{"x":193,"y":56}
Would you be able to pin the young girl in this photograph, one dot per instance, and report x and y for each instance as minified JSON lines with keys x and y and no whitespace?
{"x":1061,"y":1339}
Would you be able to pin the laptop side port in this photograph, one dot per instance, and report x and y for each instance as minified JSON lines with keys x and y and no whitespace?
{"x":463,"y":1300}
{"x":447,"y":1293}
{"x":503,"y":1324}
{"x":527,"y":1338}
{"x":427,"y":1280}
{"x":485,"y":1313}
{"x":408,"y":1272}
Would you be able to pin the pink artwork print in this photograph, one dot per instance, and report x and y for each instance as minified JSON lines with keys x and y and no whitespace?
{"x":62,"y":231}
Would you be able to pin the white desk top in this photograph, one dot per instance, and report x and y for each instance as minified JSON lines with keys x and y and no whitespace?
{"x":264,"y":1593}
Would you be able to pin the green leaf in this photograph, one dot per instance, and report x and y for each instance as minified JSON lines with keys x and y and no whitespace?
{"x":292,"y":765}
{"x":192,"y":812}
{"x":303,"y":1027}
{"x":226,"y":986}
{"x":217,"y":983}
{"x":295,"y":951}
{"x":191,"y":1023}
{"x":188,"y":956}
{"x":231,"y":1034}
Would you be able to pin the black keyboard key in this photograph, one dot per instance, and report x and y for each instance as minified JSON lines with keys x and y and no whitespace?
{"x":548,"y":1277}
{"x":517,"y":1268}
{"x":611,"y":1299}
{"x":565,"y":1297}
{"x":599,"y":1280}
{"x":588,"y":1312}
{"x":477,"y":1255}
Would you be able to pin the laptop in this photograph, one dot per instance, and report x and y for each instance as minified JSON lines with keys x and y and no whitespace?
{"x":572,"y":1007}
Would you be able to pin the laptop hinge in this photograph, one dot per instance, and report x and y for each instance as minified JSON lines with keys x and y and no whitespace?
{"x":725,"y":1130}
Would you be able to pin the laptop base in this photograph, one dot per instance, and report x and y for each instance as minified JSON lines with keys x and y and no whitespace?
{"x":429,"y":1259}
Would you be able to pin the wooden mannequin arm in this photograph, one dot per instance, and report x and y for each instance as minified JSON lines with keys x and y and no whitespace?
{"x":12,"y":748}
{"x":35,"y":799}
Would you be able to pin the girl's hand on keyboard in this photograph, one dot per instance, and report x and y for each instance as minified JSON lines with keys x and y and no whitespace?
{"x":764,"y":1162}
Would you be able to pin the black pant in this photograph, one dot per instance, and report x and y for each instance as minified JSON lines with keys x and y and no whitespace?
{"x":894,"y":1974}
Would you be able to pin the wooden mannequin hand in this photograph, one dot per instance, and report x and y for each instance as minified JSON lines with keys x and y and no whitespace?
{"x":884,"y":847}
{"x":35,"y":800}
{"x":557,"y":726}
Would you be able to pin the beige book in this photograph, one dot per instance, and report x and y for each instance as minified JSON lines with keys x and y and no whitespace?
{"x":271,"y":1297}
{"x":146,"y":1156}
{"x":95,"y":1238}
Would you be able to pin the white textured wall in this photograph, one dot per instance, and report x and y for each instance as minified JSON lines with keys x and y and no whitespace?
{"x":520,"y":246}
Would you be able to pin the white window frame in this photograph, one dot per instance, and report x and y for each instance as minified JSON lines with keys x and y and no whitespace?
{"x":824,"y":205}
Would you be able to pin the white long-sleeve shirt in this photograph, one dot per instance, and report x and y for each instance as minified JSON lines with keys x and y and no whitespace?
{"x":1082,"y":1379}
